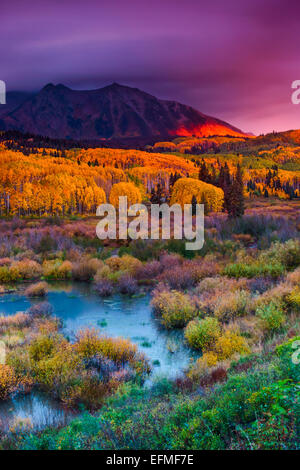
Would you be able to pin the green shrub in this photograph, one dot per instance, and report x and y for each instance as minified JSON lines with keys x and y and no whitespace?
{"x":287,"y":254}
{"x":238,"y":270}
{"x":202,"y":334}
{"x":8,"y":275}
{"x":271,"y":316}
{"x":294,"y":298}
{"x":175,"y":308}
{"x":256,"y":409}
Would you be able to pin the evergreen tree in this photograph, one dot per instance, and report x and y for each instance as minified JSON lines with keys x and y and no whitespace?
{"x":203,"y":172}
{"x":156,"y":195}
{"x":194,"y":205}
{"x":235,"y":198}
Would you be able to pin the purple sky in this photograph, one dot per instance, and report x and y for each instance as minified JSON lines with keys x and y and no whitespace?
{"x":233,"y":59}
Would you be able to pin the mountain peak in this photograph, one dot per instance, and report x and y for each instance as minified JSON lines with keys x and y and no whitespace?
{"x":51,"y":86}
{"x":116,"y":86}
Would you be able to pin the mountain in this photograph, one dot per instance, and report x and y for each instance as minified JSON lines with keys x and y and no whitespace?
{"x":13,"y":100}
{"x":112,"y":112}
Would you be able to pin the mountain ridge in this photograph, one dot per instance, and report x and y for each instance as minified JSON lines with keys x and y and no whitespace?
{"x":114,"y":111}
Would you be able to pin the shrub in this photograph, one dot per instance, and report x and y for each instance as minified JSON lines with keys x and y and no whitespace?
{"x":43,"y":346}
{"x":205,"y":370}
{"x":8,"y":381}
{"x":285,"y":350}
{"x":149,"y":270}
{"x":119,"y":350}
{"x":232,"y":305}
{"x":19,"y":320}
{"x":260,"y":285}
{"x":208,"y":285}
{"x":102,"y":274}
{"x":287,"y":253}
{"x":47,"y":243}
{"x":21,"y":427}
{"x":204,"y":268}
{"x":37,"y":290}
{"x":271,"y":316}
{"x":218,"y":286}
{"x":146,"y":249}
{"x":114,"y":263}
{"x":105,"y":273}
{"x":202,"y":334}
{"x":104,"y":288}
{"x":5,"y":261}
{"x":65,"y":270}
{"x":28,"y":269}
{"x":294,"y":298}
{"x":179,"y":277}
{"x":126,"y":263}
{"x":181,"y":274}
{"x":86,"y":269}
{"x":208,"y":359}
{"x":56,"y":269}
{"x":42,"y":309}
{"x":230,"y":343}
{"x":294,"y":277}
{"x":130,"y":264}
{"x":127,"y":285}
{"x":175,"y":308}
{"x":279,"y":295}
{"x":8,"y":275}
{"x":238,"y":270}
{"x":56,"y":365}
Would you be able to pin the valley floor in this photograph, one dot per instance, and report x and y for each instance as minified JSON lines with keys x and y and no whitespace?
{"x":234,"y":305}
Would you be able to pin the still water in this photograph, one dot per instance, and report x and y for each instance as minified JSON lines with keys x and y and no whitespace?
{"x":79,"y":307}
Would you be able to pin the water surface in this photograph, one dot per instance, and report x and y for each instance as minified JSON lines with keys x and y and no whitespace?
{"x":79,"y":307}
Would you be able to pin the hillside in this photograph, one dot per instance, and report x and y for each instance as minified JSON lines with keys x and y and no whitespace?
{"x":112,"y":112}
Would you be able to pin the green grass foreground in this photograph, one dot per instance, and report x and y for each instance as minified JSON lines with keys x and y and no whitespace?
{"x":256,"y":407}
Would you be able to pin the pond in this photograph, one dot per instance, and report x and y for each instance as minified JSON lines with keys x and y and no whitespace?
{"x":37,"y":409}
{"x":79,"y":307}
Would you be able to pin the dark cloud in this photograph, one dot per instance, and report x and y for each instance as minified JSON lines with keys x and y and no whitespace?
{"x":235,"y":60}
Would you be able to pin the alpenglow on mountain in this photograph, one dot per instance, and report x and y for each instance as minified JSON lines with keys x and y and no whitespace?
{"x":112,"y":112}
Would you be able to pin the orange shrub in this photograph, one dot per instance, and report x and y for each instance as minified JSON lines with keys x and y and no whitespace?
{"x":230,"y":343}
{"x":126,"y":263}
{"x":119,"y":350}
{"x":28,"y":269}
{"x":8,"y":381}
{"x":37,"y":290}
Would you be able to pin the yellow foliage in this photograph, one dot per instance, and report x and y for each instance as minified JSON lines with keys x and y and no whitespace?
{"x":119,"y":350}
{"x":8,"y":381}
{"x":231,"y":342}
{"x":185,"y":188}
{"x":125,"y":189}
{"x":38,"y":184}
{"x":126,"y":263}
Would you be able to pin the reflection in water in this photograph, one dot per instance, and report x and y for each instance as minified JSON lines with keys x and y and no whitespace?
{"x":37,"y":408}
